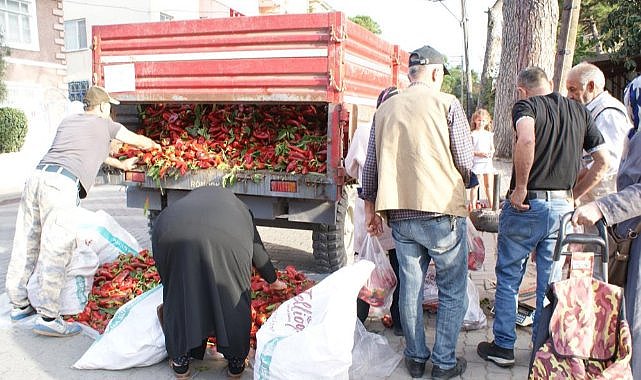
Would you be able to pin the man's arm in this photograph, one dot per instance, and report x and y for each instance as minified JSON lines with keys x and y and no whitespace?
{"x":523,"y":157}
{"x":127,"y":164}
{"x":593,"y":175}
{"x":460,"y":141}
{"x":373,"y":222}
{"x":135,"y":139}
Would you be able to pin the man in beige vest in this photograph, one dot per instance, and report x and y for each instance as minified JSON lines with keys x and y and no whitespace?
{"x":419,"y":161}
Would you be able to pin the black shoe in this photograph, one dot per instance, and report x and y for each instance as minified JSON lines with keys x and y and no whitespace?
{"x":502,"y":357}
{"x":235,"y":367}
{"x":444,"y":374}
{"x":416,"y":369}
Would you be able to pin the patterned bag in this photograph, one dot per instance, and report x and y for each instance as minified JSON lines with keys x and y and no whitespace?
{"x":588,"y":337}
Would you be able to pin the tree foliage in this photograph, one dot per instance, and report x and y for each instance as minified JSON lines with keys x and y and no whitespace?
{"x":452,"y":85}
{"x":621,"y":33}
{"x":367,"y":23}
{"x":614,"y":26}
{"x":4,"y":52}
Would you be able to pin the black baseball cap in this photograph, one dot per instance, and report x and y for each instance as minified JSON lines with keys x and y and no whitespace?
{"x":427,"y":55}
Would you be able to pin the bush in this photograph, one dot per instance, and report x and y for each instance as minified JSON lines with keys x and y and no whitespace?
{"x":13,"y":129}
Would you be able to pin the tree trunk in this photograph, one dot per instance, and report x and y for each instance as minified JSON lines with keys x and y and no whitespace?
{"x":567,"y":42}
{"x":492,"y":53}
{"x":529,"y":39}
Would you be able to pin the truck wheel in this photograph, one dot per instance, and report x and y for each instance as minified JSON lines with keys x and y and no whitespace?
{"x":333,"y":245}
{"x":485,"y":220}
{"x":151,"y":219}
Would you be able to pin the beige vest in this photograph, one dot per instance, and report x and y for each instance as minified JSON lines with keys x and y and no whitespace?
{"x":415,"y":166}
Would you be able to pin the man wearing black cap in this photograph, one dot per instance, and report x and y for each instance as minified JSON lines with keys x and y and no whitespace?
{"x":45,"y":226}
{"x":418,"y":164}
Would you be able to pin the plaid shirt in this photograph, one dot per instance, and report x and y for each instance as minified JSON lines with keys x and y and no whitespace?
{"x":460,"y":146}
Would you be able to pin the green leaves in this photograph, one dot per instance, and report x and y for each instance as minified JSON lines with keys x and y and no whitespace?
{"x":13,"y":129}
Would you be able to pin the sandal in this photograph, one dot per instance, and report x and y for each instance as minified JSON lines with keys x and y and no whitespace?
{"x":235,"y":367}
{"x":181,"y":367}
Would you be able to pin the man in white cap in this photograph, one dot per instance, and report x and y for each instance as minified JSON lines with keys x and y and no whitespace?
{"x":45,"y":228}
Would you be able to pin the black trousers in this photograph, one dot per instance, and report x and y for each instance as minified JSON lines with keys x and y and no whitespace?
{"x":362,"y":307}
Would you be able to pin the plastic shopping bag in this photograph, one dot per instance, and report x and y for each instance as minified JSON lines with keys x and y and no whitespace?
{"x":311,"y":336}
{"x":380,"y":286}
{"x":372,"y":355}
{"x":476,"y":247}
{"x":133,"y":337}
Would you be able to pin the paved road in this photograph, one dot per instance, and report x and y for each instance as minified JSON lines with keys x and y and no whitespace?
{"x":24,"y":355}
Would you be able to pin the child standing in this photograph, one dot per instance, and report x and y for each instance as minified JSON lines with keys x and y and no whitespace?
{"x":483,"y":145}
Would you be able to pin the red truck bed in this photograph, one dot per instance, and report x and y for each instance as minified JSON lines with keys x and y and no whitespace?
{"x":320,"y":57}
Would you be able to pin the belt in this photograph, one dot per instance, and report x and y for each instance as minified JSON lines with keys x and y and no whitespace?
{"x":546,"y":194}
{"x":57,"y":169}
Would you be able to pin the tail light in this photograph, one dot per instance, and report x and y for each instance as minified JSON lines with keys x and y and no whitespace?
{"x":135,"y":177}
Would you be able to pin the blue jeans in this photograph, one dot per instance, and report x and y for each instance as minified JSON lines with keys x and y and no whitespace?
{"x":418,"y":241}
{"x":520,"y":233}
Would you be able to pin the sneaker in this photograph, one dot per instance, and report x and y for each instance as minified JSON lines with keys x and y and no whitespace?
{"x":18,"y":313}
{"x":57,"y":327}
{"x":502,"y":357}
{"x":444,"y":374}
{"x":416,"y":369}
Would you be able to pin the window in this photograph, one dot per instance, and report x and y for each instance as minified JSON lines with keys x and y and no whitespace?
{"x":78,"y":89}
{"x":165,"y":17}
{"x":18,"y":24}
{"x":75,"y":35}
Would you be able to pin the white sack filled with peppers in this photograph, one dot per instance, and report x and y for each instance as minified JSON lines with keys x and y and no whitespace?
{"x":99,"y":239}
{"x":320,"y":319}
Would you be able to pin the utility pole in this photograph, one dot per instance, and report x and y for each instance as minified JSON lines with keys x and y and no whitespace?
{"x":566,"y":43}
{"x":468,"y":71}
{"x":467,"y":77}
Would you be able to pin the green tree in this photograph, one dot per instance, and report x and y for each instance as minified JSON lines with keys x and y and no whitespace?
{"x":593,"y":16}
{"x":367,"y":23}
{"x":609,"y":26}
{"x":621,"y":33}
{"x":452,"y":85}
{"x":4,"y":52}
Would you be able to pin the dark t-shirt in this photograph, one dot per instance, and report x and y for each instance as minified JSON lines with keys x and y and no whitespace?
{"x":563,"y":128}
{"x":81,"y":145}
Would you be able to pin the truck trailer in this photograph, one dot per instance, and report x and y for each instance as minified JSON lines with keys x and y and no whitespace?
{"x":321,"y":63}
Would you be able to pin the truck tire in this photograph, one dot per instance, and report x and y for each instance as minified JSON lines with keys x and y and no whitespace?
{"x":333,"y":245}
{"x":151,"y":219}
{"x":485,"y":220}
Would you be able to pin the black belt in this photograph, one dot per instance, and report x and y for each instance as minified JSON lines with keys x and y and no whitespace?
{"x":546,"y":194}
{"x":57,"y":169}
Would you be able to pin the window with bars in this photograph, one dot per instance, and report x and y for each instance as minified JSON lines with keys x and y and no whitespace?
{"x":75,"y":35}
{"x":78,"y":89}
{"x":18,"y":24}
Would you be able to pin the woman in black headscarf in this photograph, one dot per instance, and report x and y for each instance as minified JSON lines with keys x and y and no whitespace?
{"x":204,"y":246}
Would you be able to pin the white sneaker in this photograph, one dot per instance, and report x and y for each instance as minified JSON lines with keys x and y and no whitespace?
{"x":18,"y":313}
{"x":57,"y":327}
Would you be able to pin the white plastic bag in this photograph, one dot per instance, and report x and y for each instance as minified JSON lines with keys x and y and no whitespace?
{"x":474,"y":316}
{"x":311,"y":336}
{"x":430,"y":290}
{"x":133,"y":337}
{"x":102,"y":233}
{"x":475,"y":246}
{"x":379,"y":290}
{"x":372,"y":355}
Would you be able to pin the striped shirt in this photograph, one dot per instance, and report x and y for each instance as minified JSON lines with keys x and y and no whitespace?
{"x":460,"y":146}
